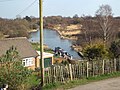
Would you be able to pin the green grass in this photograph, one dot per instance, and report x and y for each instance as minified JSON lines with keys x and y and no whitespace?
{"x":71,"y":84}
{"x":64,"y":86}
{"x":32,"y":81}
{"x":36,"y":46}
{"x":49,"y":50}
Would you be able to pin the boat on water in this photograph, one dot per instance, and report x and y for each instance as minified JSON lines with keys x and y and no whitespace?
{"x":62,"y":53}
{"x":80,"y":54}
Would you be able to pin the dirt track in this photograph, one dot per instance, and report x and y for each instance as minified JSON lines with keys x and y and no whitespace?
{"x":109,"y":84}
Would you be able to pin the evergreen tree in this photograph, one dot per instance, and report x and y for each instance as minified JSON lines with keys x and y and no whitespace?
{"x":12,"y":71}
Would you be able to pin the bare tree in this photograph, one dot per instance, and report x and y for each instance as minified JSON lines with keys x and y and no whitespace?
{"x":86,"y":28}
{"x":105,"y":21}
{"x":89,"y":29}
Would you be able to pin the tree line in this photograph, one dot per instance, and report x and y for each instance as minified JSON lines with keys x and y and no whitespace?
{"x":103,"y":26}
{"x":99,"y":35}
{"x":18,"y":27}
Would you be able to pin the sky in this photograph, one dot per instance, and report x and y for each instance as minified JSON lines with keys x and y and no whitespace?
{"x":12,"y":8}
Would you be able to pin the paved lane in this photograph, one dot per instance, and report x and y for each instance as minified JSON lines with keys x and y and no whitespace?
{"x":108,"y":84}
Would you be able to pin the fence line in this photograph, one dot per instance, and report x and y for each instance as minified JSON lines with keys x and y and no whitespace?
{"x":82,"y":69}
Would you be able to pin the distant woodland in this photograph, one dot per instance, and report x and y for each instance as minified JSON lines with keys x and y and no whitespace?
{"x":17,"y":27}
{"x":90,"y":26}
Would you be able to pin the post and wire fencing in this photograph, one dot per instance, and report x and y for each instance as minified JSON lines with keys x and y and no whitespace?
{"x":81,"y":69}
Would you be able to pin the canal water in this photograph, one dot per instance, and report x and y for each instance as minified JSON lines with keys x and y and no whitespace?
{"x":52,"y":40}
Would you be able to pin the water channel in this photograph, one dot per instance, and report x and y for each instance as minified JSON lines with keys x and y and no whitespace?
{"x":52,"y":39}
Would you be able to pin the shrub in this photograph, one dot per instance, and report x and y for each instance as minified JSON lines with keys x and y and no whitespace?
{"x":95,"y":51}
{"x":12,"y":71}
{"x":115,"y":48}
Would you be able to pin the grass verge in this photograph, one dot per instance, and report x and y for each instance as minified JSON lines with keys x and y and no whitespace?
{"x":71,"y":84}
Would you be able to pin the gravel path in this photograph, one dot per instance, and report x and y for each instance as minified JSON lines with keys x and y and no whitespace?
{"x":108,"y":84}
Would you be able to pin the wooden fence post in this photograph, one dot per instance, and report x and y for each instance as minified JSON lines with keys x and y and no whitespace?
{"x":54,"y":69}
{"x":62,"y":74}
{"x":103,"y":66}
{"x":93,"y":70}
{"x":115,"y":65}
{"x":71,"y":76}
{"x":118,"y":64}
{"x":87,"y":69}
{"x":49,"y":75}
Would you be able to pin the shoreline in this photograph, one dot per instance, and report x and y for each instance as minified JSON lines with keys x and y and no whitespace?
{"x":61,"y":36}
{"x":74,"y":47}
{"x":33,"y":30}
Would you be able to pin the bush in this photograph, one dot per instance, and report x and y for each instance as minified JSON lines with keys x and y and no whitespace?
{"x":115,"y":48}
{"x":95,"y":51}
{"x":12,"y":71}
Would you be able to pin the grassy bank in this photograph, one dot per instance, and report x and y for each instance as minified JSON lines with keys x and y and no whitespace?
{"x":36,"y":46}
{"x":71,"y":84}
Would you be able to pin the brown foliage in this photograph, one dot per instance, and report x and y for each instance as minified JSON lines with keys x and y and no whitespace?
{"x":16,"y":27}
